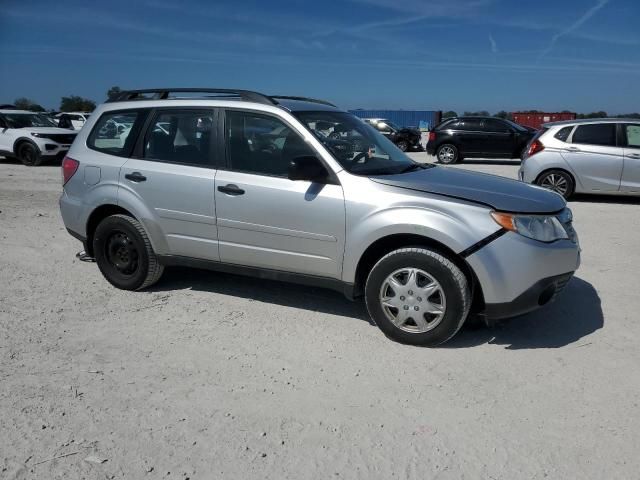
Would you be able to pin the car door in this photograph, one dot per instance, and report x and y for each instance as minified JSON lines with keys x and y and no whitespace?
{"x":6,"y":139}
{"x":595,"y":157}
{"x":172,"y":172}
{"x":499,"y":138}
{"x":266,"y":220}
{"x":470,"y":136}
{"x":631,"y":169}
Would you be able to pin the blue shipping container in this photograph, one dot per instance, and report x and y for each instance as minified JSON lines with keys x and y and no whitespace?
{"x":422,"y":119}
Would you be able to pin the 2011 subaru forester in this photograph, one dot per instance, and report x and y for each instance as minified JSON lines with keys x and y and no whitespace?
{"x":242,"y":182}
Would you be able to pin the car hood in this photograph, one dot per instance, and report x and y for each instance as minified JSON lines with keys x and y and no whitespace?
{"x":51,"y":130}
{"x":496,"y":192}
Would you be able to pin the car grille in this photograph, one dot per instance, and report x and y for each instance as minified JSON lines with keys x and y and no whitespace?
{"x":560,"y":284}
{"x":62,"y":138}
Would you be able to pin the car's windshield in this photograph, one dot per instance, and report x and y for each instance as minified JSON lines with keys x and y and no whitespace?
{"x":358,"y":147}
{"x":392,"y":125}
{"x":22,"y":120}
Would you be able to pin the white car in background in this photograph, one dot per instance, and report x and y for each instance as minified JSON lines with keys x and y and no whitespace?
{"x":32,"y":137}
{"x":585,"y":156}
{"x":72,"y":120}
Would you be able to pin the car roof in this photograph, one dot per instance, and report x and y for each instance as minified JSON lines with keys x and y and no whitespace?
{"x":304,"y":106}
{"x":591,"y":120}
{"x":9,"y":110}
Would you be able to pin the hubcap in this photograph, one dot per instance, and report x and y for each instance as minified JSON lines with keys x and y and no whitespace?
{"x":556,"y":183}
{"x":446,"y":155}
{"x":413,"y":300}
{"x":122,"y":253}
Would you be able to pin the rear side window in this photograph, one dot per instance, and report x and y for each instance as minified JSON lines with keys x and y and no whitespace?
{"x":180,"y":136}
{"x":563,"y":134}
{"x":633,"y":135}
{"x":596,"y":134}
{"x":491,"y":125}
{"x":112,"y":132}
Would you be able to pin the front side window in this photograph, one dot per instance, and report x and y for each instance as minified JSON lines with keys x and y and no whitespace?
{"x":263,"y":144}
{"x":596,"y":134}
{"x":469,"y":125}
{"x":633,"y":135}
{"x":111,"y":133}
{"x":180,"y":136}
{"x":496,"y":126}
{"x":359,"y":148}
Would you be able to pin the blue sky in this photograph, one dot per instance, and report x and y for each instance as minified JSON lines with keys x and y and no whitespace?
{"x":581,"y":55}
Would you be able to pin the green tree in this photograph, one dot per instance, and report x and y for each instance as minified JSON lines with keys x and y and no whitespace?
{"x":75,"y":103}
{"x":481,"y":113}
{"x":449,"y":114}
{"x":113,"y":91}
{"x":24,"y":103}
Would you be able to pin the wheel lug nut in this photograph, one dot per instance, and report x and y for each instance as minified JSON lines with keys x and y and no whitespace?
{"x":416,"y":308}
{"x":410,"y":292}
{"x":419,"y":299}
{"x":402,"y":298}
{"x":406,"y":307}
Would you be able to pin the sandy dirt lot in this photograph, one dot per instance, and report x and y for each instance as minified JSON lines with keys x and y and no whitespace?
{"x":217,"y":376}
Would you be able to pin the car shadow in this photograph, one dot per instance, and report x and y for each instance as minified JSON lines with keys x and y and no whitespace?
{"x":575,"y":314}
{"x":620,"y":199}
{"x":490,"y":161}
{"x":47,"y":163}
{"x":267,"y":291}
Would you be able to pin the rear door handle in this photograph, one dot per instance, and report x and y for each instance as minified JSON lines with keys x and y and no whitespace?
{"x":573,"y":149}
{"x":135,"y":177}
{"x":231,"y":189}
{"x":633,"y":155}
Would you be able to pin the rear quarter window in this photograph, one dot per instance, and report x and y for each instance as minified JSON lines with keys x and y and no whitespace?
{"x":563,"y":133}
{"x":115,"y":132}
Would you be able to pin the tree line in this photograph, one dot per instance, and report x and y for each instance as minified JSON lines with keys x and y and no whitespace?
{"x":75,"y":103}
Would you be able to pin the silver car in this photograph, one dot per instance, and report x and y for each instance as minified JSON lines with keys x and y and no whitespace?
{"x":237,"y":181}
{"x":585,"y":156}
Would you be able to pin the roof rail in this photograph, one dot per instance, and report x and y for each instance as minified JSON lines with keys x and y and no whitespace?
{"x":163,"y":94}
{"x":302,"y":99}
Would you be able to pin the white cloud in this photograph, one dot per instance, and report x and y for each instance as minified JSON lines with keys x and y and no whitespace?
{"x":494,"y":45}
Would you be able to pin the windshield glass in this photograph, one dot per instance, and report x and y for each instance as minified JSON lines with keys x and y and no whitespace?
{"x":358,"y":147}
{"x":22,"y":120}
{"x":392,"y":125}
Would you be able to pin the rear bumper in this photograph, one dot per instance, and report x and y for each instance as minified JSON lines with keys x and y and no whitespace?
{"x":542,"y":292}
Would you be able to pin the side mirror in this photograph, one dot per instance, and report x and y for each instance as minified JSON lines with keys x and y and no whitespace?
{"x":307,"y":168}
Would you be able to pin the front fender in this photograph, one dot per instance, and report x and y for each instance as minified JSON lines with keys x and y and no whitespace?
{"x":458,"y":229}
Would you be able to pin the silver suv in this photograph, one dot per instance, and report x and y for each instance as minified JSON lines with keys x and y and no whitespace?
{"x":585,"y":156}
{"x":241,"y":182}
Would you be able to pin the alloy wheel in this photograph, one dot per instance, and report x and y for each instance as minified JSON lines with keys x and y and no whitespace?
{"x":556,"y":183}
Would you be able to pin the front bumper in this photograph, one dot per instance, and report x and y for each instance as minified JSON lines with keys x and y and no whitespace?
{"x":518,"y":275}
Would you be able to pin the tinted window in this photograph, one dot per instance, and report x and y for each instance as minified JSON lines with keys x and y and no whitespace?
{"x":180,"y":137}
{"x":111,"y":133}
{"x":469,"y":124}
{"x":491,"y":125}
{"x":262,"y":144}
{"x":596,"y":134}
{"x":633,"y":135}
{"x":563,"y":134}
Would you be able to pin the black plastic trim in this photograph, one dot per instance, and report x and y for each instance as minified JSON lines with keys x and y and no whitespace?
{"x":347,"y":289}
{"x":485,"y":241}
{"x":163,"y":94}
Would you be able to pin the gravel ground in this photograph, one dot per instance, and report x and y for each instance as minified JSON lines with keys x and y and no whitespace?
{"x":217,"y":376}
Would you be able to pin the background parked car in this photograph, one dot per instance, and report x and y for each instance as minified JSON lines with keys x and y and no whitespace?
{"x":585,"y":156}
{"x":405,"y":138}
{"x":72,"y":120}
{"x":484,"y":137}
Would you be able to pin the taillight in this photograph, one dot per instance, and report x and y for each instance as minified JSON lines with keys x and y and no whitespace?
{"x":69,"y":168}
{"x":535,"y":147}
{"x":432,"y":136}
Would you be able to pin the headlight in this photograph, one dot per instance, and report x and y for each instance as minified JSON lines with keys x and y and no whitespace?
{"x":544,"y":228}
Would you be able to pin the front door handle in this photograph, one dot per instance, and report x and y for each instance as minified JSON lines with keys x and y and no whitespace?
{"x":135,"y":177}
{"x":633,"y":155}
{"x":231,"y":189}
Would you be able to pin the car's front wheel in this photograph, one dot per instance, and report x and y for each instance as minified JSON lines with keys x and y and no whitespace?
{"x":447,"y":153}
{"x":29,"y":155}
{"x":124,"y":254}
{"x":557,"y":181}
{"x":403,"y":145}
{"x":417,"y":296}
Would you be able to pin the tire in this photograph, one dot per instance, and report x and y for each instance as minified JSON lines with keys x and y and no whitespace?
{"x":557,"y":181}
{"x":403,"y":145}
{"x":447,"y":154}
{"x":124,"y":255}
{"x":450,"y":296}
{"x":29,"y":154}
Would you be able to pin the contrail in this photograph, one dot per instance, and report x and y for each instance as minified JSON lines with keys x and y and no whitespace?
{"x":494,"y":45}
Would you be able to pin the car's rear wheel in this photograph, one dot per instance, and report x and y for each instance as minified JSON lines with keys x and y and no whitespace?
{"x":417,"y":296}
{"x":557,"y":181}
{"x":403,"y":145}
{"x":124,"y":254}
{"x":447,"y":153}
{"x":29,"y":155}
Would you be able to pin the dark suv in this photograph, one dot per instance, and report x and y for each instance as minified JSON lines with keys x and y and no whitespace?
{"x":405,"y":138}
{"x":484,"y":137}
